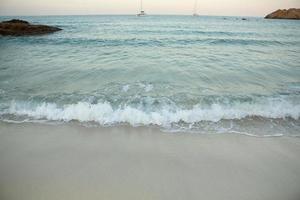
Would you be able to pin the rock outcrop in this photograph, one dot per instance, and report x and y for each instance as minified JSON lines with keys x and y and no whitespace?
{"x":17,"y":27}
{"x":292,"y":13}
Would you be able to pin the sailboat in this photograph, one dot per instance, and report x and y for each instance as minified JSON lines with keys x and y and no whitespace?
{"x":196,"y":8}
{"x":142,"y":12}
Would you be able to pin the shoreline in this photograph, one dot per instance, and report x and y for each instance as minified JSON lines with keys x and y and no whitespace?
{"x":153,"y":128}
{"x":39,"y":161}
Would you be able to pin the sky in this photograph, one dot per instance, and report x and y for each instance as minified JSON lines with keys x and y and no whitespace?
{"x":178,"y":7}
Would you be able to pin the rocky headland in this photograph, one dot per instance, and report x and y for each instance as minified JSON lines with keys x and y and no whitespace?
{"x":17,"y":27}
{"x":292,"y":13}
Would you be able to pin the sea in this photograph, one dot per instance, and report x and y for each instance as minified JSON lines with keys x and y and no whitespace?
{"x":181,"y":74}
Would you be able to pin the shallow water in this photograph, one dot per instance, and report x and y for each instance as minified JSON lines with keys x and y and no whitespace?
{"x":181,"y":73}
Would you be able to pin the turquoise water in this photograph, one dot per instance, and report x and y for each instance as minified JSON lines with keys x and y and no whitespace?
{"x":180,"y":73}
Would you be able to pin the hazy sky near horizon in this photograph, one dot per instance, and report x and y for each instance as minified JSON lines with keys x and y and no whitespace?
{"x":87,"y":7}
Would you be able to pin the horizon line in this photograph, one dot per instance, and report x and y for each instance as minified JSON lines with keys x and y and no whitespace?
{"x":53,"y":15}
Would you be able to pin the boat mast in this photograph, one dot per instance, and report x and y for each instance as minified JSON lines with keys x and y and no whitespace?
{"x":196,"y":8}
{"x":142,"y":12}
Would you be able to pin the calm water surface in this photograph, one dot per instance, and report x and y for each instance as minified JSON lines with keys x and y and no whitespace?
{"x":181,"y":73}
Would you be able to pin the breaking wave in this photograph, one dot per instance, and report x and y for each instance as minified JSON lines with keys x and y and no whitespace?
{"x":106,"y":114}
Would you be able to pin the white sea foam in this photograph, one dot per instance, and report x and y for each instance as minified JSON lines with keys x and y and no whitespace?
{"x":146,"y":87}
{"x":105,"y":114}
{"x":125,"y":88}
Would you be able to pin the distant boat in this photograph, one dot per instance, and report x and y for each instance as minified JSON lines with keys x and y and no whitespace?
{"x":196,"y":8}
{"x":142,"y":12}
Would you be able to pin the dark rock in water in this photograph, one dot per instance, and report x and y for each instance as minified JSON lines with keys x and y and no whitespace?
{"x":292,"y":13}
{"x":18,"y":27}
{"x":16,"y":21}
{"x":244,"y":19}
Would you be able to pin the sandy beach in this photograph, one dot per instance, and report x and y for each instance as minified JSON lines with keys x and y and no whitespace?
{"x":73,"y":162}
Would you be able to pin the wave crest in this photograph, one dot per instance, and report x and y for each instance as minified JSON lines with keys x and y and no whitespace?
{"x":106,"y":114}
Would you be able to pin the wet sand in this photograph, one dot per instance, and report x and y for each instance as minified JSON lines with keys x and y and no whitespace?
{"x":70,"y":162}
